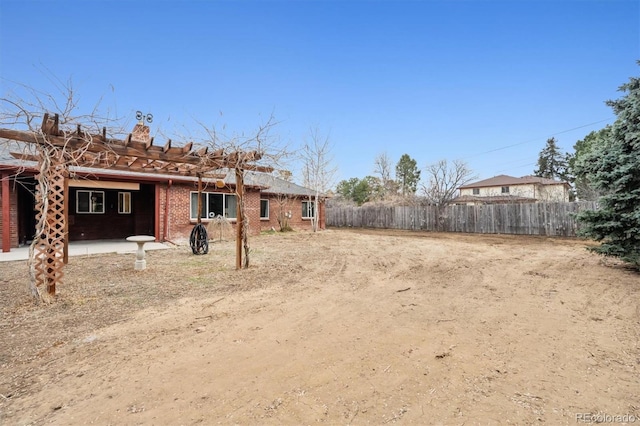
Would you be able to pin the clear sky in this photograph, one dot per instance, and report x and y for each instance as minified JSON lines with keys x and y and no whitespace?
{"x":484,"y":81}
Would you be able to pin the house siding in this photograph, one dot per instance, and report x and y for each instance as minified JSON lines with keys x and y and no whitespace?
{"x":110,"y":223}
{"x":528,"y":191}
{"x":548,"y":193}
{"x":293,"y":205}
{"x":180,"y":224}
{"x":13,"y":216}
{"x":169,"y":203}
{"x":554,"y":193}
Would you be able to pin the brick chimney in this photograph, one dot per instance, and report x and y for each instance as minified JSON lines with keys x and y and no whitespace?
{"x":141,"y":133}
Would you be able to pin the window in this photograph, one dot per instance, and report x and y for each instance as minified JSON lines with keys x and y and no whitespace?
{"x":124,"y":202}
{"x":212,"y":205}
{"x":476,"y":191}
{"x":307,"y":209}
{"x":230,"y":206}
{"x":264,"y":209}
{"x":89,"y":201}
{"x":505,"y":189}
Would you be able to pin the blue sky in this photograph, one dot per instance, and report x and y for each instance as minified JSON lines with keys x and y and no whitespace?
{"x":483,"y":81}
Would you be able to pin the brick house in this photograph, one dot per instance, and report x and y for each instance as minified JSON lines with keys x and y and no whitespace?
{"x":110,"y":204}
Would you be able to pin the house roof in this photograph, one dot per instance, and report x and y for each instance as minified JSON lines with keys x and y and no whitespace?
{"x":136,"y":152}
{"x":505,"y":180}
{"x":271,"y":184}
{"x":268,"y":183}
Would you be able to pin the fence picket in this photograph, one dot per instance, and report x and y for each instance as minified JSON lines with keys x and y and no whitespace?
{"x":552,"y":219}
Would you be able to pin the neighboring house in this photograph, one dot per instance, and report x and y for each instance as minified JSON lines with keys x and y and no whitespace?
{"x":509,"y":189}
{"x":113,"y":204}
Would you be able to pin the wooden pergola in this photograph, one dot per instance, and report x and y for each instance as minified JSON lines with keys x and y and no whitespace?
{"x":58,"y":149}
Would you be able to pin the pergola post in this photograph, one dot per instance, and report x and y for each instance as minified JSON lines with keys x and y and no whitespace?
{"x":49,"y":243}
{"x":239,"y":216}
{"x":199,"y":220}
{"x":60,"y":149}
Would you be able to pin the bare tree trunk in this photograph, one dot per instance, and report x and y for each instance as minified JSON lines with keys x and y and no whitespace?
{"x":240,"y":234}
{"x":245,"y":240}
{"x":318,"y":171}
{"x":316,"y":213}
{"x":283,"y":215}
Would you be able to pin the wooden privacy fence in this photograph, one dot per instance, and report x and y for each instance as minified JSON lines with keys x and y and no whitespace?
{"x":552,"y":219}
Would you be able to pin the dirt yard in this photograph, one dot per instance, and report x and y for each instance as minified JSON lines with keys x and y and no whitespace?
{"x":340,"y":327}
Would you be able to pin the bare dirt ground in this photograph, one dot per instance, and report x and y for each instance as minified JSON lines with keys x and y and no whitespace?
{"x":340,"y":327}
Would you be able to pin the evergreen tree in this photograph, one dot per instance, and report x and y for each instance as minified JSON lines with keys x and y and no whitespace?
{"x":346,"y":188}
{"x":359,"y":190}
{"x":407,"y":174}
{"x":579,"y":178}
{"x":552,"y":164}
{"x":614,"y":166}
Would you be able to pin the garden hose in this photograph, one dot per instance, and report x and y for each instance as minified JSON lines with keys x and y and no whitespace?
{"x":199,"y":240}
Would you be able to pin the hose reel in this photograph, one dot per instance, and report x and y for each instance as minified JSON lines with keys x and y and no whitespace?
{"x":199,"y":240}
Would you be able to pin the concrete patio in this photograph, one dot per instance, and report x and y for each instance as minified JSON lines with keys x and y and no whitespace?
{"x":87,"y":248}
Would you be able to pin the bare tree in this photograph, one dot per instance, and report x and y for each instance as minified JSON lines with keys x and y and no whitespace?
{"x":23,"y":109}
{"x":318,"y":171}
{"x":262,"y":153}
{"x":284,"y":174}
{"x":444,"y":179}
{"x":284,"y":211}
{"x":383,"y":168}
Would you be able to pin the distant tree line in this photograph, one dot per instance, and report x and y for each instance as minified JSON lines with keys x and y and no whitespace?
{"x":442,"y":180}
{"x":603,"y":167}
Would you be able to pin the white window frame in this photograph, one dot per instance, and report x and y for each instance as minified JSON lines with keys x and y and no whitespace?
{"x":306,"y":211}
{"x":92,"y":206}
{"x":225,"y":203}
{"x":505,"y":190}
{"x":476,"y":191}
{"x":265,"y":200}
{"x":124,"y":208}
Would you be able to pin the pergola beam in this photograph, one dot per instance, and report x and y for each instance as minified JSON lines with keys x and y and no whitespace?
{"x":130,"y":148}
{"x":82,"y":149}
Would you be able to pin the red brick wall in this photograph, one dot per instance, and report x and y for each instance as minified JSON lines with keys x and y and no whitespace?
{"x":179,"y":223}
{"x":13,"y":215}
{"x":294,"y":205}
{"x":252,"y":210}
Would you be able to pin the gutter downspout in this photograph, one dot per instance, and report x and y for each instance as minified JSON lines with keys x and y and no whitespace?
{"x":165,"y":232}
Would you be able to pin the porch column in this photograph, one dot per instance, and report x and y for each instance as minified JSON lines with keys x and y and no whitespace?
{"x":6,"y":216}
{"x":156,"y":213}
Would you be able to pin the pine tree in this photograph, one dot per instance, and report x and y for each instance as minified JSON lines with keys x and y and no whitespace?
{"x":552,"y":164}
{"x":407,"y":174}
{"x":614,"y":167}
{"x":579,"y":179}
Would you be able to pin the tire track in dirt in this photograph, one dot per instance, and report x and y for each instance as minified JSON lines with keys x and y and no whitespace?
{"x":349,"y":327}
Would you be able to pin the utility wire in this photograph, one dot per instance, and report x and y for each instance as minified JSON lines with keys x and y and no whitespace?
{"x":515,"y":167}
{"x":537,"y":139}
